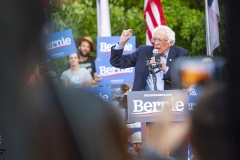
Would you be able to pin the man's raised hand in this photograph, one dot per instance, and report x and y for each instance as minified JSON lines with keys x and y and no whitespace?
{"x":126,"y":35}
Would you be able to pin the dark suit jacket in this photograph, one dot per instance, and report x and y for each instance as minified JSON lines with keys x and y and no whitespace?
{"x":137,"y":60}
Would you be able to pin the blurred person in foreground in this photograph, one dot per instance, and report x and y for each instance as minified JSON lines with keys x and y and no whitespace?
{"x":210,"y":133}
{"x":163,"y":38}
{"x":197,"y":72}
{"x":165,"y":137}
{"x":46,"y":122}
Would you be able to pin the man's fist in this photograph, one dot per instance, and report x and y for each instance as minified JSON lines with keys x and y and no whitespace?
{"x":126,"y":35}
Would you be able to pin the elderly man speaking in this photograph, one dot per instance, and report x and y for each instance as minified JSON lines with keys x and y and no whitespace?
{"x":163,"y":40}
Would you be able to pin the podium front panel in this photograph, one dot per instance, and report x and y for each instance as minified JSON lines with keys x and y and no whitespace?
{"x":145,"y":106}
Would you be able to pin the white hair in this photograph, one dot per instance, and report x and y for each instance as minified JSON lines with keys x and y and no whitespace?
{"x":170,"y":33}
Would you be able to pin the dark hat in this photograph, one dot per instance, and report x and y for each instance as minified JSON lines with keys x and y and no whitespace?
{"x":78,"y":41}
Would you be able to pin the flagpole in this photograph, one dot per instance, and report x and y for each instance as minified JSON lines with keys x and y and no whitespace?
{"x":104,"y":28}
{"x":98,"y":19}
{"x":208,"y":46}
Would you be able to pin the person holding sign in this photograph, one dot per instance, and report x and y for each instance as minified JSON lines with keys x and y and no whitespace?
{"x":84,"y":46}
{"x":163,"y":39}
{"x":76,"y":76}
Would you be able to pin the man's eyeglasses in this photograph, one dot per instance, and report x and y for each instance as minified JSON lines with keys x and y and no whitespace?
{"x":158,"y":40}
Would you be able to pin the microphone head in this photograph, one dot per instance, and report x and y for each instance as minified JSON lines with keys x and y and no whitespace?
{"x":155,"y":52}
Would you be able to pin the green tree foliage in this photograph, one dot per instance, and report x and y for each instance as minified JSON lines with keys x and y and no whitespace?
{"x":188,"y":23}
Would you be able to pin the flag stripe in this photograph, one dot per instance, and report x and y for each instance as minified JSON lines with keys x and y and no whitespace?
{"x":159,"y":4}
{"x":154,"y":17}
{"x":149,"y":22}
{"x":155,"y":10}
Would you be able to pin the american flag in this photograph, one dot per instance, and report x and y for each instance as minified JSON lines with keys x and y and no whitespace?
{"x":153,"y":14}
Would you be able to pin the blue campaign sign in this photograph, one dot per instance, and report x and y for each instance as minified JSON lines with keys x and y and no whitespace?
{"x":60,"y":44}
{"x":104,"y":45}
{"x":101,"y":92}
{"x":194,"y":94}
{"x":111,"y":75}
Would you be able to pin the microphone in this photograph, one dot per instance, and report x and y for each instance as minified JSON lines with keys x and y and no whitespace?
{"x":155,"y":52}
{"x":157,"y":58}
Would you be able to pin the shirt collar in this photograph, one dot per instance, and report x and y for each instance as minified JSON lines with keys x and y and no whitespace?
{"x":166,"y":55}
